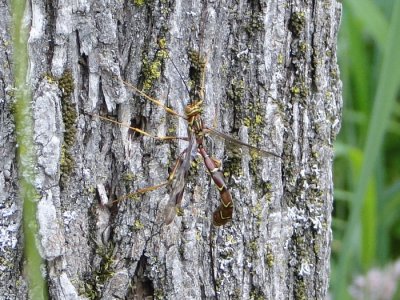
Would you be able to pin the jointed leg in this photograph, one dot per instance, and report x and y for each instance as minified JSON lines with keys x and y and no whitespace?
{"x":155,"y":101}
{"x":163,"y":138}
{"x":154,"y":187}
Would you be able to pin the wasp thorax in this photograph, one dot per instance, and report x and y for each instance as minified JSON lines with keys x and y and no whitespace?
{"x":194,"y":109}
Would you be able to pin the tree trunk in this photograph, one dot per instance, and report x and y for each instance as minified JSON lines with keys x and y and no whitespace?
{"x":271,"y":80}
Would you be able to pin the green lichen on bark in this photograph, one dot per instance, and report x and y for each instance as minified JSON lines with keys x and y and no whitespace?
{"x":233,"y":165}
{"x":257,"y":294}
{"x":151,"y":70}
{"x":300,"y":89}
{"x":138,"y":225}
{"x":139,"y":2}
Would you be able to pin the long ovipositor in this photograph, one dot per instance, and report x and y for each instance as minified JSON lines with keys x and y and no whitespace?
{"x":225,"y":210}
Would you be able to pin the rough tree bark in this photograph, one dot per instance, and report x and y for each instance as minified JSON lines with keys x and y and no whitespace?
{"x":271,"y":80}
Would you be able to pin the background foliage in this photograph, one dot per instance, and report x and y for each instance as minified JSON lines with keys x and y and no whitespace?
{"x":366,"y":224}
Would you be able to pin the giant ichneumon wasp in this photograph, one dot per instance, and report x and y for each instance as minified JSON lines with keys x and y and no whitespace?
{"x":196,"y":131}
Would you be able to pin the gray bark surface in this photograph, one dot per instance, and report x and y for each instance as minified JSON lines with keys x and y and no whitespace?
{"x":272,"y":80}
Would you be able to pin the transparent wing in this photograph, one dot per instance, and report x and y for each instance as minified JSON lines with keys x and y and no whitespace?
{"x":179,"y":175}
{"x":242,"y":144}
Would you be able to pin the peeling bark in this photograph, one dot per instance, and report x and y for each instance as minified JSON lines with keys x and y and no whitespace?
{"x":272,"y":81}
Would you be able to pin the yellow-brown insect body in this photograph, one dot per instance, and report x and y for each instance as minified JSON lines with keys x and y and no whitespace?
{"x":225,"y":210}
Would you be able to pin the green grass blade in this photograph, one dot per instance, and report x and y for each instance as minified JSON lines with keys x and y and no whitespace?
{"x":26,"y":154}
{"x":360,"y":69}
{"x":369,"y":226}
{"x":391,"y":204}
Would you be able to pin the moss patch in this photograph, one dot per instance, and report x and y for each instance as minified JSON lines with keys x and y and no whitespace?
{"x":255,"y":24}
{"x":297,"y":23}
{"x":67,"y":164}
{"x":93,"y":285}
{"x":269,"y":259}
{"x":196,"y":75}
{"x":236,"y":91}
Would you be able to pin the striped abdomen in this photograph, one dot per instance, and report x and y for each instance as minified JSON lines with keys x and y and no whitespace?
{"x":224,"y":212}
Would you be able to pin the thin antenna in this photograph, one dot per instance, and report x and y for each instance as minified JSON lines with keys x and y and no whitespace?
{"x":180,"y":75}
